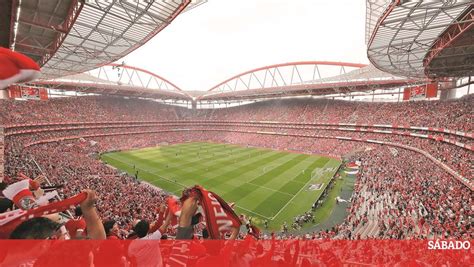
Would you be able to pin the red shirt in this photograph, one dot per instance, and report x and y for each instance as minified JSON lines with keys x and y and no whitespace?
{"x":113,"y":237}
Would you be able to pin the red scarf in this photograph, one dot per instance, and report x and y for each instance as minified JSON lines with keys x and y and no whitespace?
{"x":220,"y":217}
{"x":10,"y":220}
{"x":174,"y":208}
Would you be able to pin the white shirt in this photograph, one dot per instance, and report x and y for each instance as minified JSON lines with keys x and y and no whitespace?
{"x":146,"y":250}
{"x":153,"y":236}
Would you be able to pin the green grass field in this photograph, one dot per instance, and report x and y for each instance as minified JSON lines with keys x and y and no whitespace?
{"x":264,"y":184}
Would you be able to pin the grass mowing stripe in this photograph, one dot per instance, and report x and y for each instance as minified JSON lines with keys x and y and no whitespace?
{"x":237,"y":208}
{"x":178,"y":167}
{"x":182,"y":176}
{"x":161,"y":154}
{"x":173,"y":149}
{"x":273,"y":178}
{"x":192,"y":177}
{"x":328,"y":178}
{"x":303,"y":176}
{"x":270,"y":175}
{"x":180,"y":173}
{"x":276,"y":176}
{"x":220,"y":165}
{"x":232,"y":164}
{"x":124,"y":166}
{"x":245,"y":168}
{"x":299,"y":191}
{"x":277,"y":199}
{"x":263,"y":179}
{"x":218,"y":158}
{"x":201,"y":160}
{"x":268,"y":188}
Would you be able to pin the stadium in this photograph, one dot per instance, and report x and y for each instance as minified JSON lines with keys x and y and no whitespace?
{"x":312,"y":150}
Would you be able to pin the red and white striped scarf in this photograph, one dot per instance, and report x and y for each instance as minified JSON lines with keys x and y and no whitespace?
{"x":10,"y":220}
{"x":220,"y":217}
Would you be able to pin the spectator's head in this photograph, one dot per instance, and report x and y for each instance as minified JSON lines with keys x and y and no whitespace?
{"x":3,"y":185}
{"x":196,"y":218}
{"x":78,"y":211}
{"x":5,"y":205}
{"x":205,"y":234}
{"x":141,"y":228}
{"x":36,"y":228}
{"x":110,"y":227}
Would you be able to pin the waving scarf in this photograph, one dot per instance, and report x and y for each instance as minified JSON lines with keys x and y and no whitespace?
{"x":220,"y":217}
{"x":10,"y":220}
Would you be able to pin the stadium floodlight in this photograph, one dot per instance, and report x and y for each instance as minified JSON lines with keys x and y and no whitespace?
{"x":117,"y":67}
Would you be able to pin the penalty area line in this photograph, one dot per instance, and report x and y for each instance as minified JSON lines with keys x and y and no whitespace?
{"x":256,"y":213}
{"x":291,"y":200}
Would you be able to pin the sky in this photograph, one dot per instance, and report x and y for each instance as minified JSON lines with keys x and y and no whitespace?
{"x":222,"y":38}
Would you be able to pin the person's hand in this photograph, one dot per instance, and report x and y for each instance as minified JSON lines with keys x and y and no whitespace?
{"x":40,"y":179}
{"x":89,"y":202}
{"x":162,"y":207}
{"x":189,"y":207}
{"x":38,"y":193}
{"x":95,"y":228}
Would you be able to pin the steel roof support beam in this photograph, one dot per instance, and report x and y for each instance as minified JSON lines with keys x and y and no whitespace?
{"x":110,"y":30}
{"x":74,"y":10}
{"x":43,"y":26}
{"x":449,"y":36}
{"x":406,"y":30}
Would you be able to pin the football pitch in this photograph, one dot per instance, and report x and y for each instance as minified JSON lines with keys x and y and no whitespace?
{"x":265,"y":184}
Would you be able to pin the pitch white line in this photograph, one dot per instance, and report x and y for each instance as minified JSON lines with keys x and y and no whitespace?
{"x":265,"y":217}
{"x":169,"y":180}
{"x":240,"y":207}
{"x":256,"y":213}
{"x":288,"y":203}
{"x":297,"y":193}
{"x":274,"y":190}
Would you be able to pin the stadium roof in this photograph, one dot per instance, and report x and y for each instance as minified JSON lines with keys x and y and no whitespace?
{"x":115,"y":79}
{"x":421,"y":38}
{"x":279,"y":80}
{"x":72,"y":36}
{"x":304,"y":78}
{"x":79,"y":36}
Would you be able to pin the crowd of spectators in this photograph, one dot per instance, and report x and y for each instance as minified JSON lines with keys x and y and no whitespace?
{"x":97,"y":108}
{"x":458,"y":158}
{"x":452,"y":114}
{"x":398,"y":195}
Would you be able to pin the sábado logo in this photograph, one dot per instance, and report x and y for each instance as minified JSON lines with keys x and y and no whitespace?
{"x":448,"y":244}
